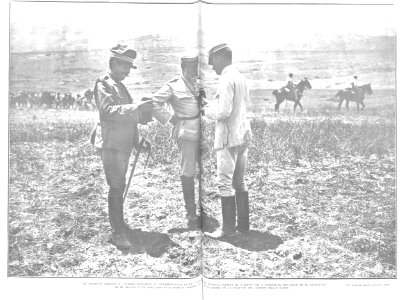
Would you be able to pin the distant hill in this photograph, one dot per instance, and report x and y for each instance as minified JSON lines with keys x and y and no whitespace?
{"x":73,"y":66}
{"x":66,"y":67}
{"x":343,"y":42}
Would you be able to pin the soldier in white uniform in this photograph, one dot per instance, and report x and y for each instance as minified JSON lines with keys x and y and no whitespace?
{"x":183,"y":94}
{"x":353,"y":85}
{"x":232,"y":137}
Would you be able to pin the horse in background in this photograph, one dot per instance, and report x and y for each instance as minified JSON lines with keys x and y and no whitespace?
{"x":47,"y":99}
{"x":354,"y":96}
{"x":68,"y":101}
{"x":19,"y":99}
{"x":282,"y":94}
{"x":86,"y":102}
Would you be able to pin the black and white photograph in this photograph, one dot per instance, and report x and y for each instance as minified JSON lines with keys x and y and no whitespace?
{"x":202,"y":139}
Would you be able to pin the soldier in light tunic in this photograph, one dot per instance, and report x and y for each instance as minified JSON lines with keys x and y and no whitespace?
{"x":183,"y":94}
{"x":232,"y":138}
{"x":353,"y":85}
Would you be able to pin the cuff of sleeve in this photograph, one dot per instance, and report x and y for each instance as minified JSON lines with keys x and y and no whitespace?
{"x":208,"y":113}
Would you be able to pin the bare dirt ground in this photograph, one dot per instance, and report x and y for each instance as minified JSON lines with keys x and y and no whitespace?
{"x":58,"y":215}
{"x":322,"y":189}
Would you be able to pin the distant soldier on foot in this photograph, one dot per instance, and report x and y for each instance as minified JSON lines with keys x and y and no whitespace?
{"x":58,"y":100}
{"x":78,"y":101}
{"x":119,"y":117}
{"x":232,"y":137}
{"x":184,"y":96}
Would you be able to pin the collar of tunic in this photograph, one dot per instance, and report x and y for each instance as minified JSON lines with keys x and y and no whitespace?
{"x":193,"y":88}
{"x":227,"y":69}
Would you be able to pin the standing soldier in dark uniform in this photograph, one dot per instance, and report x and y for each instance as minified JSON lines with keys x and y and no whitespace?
{"x":183,"y":94}
{"x":118,"y":119}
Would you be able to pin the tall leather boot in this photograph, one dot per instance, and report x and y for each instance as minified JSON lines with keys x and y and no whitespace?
{"x":187,"y":184}
{"x":116,"y":217}
{"x":242,"y":208}
{"x":228,"y":219}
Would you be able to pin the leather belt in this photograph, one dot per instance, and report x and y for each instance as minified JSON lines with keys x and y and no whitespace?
{"x":189,"y":118}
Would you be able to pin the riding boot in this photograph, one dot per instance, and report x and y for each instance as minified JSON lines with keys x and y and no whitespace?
{"x":116,"y":210}
{"x":242,"y":208}
{"x":228,"y":219}
{"x":120,"y":240}
{"x":116,"y":217}
{"x":187,"y":184}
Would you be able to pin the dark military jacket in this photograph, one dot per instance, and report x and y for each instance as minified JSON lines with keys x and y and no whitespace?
{"x":118,"y":115}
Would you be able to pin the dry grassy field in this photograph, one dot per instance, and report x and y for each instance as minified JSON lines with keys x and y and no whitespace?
{"x":322,"y":186}
{"x":322,"y":182}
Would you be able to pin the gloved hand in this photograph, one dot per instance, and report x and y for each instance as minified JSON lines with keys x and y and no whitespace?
{"x":174,"y":120}
{"x":202,"y":93}
{"x":145,"y":147}
{"x":203,"y":103}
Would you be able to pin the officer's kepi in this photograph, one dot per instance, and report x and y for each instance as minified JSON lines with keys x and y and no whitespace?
{"x":123,"y":53}
{"x":189,"y":59}
{"x":214,"y":50}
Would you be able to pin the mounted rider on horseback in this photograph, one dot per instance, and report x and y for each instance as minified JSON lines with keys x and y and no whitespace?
{"x":354,"y":88}
{"x":291,"y":87}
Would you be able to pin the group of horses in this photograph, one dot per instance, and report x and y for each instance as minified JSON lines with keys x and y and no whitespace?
{"x":46,"y":99}
{"x":349,"y":95}
{"x":86,"y":102}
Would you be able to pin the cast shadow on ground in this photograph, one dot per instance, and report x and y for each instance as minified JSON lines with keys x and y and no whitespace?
{"x":209,"y":224}
{"x":254,"y":241}
{"x":154,"y":244}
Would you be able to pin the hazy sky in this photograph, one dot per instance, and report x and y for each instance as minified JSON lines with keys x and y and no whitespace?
{"x":277,"y":24}
{"x":103,"y":24}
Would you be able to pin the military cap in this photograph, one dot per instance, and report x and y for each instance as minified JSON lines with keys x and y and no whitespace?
{"x":290,"y":75}
{"x":216,"y":49}
{"x":123,"y":53}
{"x":189,"y":59}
